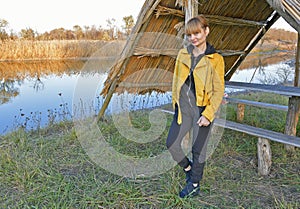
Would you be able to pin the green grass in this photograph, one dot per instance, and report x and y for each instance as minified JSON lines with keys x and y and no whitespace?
{"x":260,"y":117}
{"x":50,"y":169}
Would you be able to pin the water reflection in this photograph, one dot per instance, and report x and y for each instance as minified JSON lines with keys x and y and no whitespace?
{"x":263,"y":59}
{"x":36,"y":94}
{"x":33,"y":94}
{"x":281,"y":73}
{"x":8,"y":90}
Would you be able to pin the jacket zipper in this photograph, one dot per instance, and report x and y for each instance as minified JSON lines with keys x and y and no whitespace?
{"x":190,"y":85}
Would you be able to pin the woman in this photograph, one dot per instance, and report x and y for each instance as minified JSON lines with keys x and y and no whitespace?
{"x":197,"y":91}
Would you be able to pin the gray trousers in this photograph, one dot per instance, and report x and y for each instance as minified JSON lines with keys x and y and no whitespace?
{"x":190,"y":116}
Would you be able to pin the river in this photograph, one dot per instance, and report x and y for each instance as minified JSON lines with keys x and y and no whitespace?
{"x":36,"y":94}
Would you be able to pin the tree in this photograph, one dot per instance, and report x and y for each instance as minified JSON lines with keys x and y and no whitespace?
{"x":128,"y":24}
{"x":112,"y":28}
{"x":3,"y":27}
{"x":13,"y":35}
{"x":27,"y":34}
{"x":78,"y":32}
{"x":57,"y":34}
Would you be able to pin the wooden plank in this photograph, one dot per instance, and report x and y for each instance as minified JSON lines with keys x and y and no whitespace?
{"x":276,"y":89}
{"x":255,"y":131}
{"x":258,"y":104}
{"x":259,"y":132}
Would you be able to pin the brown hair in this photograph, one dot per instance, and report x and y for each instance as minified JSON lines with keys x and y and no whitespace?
{"x":195,"y":24}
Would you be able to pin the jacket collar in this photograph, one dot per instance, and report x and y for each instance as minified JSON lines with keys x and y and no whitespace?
{"x":210,"y":50}
{"x":186,"y":58}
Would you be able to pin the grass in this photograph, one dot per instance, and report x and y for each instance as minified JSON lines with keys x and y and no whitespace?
{"x":259,"y":117}
{"x":50,"y":169}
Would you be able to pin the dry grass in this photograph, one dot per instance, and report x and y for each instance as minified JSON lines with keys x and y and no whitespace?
{"x":44,"y":50}
{"x":52,"y":170}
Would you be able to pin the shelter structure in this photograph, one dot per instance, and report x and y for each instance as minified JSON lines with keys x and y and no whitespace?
{"x":148,"y":58}
{"x":236,"y":27}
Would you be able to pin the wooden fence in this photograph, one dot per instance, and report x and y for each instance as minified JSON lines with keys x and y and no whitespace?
{"x":263,"y":145}
{"x":264,"y":135}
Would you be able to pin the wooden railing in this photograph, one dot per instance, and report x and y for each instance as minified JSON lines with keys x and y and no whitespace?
{"x":263,"y":145}
{"x":264,"y":135}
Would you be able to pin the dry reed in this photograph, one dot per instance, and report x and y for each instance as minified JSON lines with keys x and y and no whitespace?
{"x":54,"y":50}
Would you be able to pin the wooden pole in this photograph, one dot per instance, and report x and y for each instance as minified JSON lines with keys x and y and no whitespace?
{"x":107,"y":100}
{"x":191,"y":10}
{"x":240,"y":112}
{"x":294,"y":104}
{"x":264,"y":156}
{"x":297,"y":67}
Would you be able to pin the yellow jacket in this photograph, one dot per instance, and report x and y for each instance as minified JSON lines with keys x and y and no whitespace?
{"x":209,"y":81}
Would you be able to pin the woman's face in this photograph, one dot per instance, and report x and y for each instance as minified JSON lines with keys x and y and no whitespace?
{"x":199,"y":39}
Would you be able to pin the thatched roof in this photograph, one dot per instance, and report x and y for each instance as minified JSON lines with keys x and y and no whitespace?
{"x":236,"y":27}
{"x":289,"y":10}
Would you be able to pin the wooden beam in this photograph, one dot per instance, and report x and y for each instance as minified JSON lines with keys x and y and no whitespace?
{"x":257,"y":104}
{"x":228,"y":53}
{"x":229,"y":21}
{"x":254,"y":131}
{"x":297,"y":67}
{"x":161,"y":10}
{"x":259,"y":132}
{"x":191,"y":9}
{"x":292,"y":119}
{"x":146,"y":16}
{"x":294,"y":104}
{"x":252,"y":44}
{"x":288,"y":11}
{"x":144,"y":85}
{"x":142,"y":51}
{"x":107,"y":100}
{"x":128,"y":50}
{"x":283,"y":90}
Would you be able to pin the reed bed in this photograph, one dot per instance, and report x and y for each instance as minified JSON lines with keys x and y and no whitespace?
{"x":45,"y":50}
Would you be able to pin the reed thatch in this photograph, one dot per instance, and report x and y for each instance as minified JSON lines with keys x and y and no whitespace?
{"x":236,"y":27}
{"x":289,"y":10}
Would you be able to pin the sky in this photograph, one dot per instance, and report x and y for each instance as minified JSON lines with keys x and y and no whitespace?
{"x":42,"y":16}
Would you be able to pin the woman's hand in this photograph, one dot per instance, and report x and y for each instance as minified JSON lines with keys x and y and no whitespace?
{"x":203,"y":121}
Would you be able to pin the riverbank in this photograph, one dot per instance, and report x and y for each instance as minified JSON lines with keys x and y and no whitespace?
{"x":276,"y":46}
{"x":50,"y":169}
{"x":24,"y":50}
